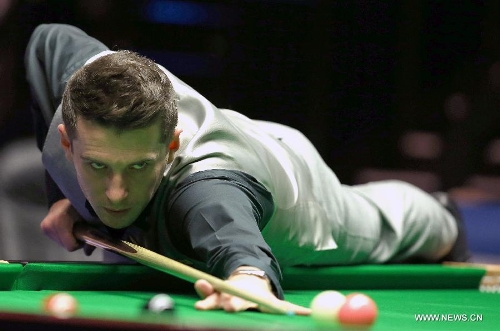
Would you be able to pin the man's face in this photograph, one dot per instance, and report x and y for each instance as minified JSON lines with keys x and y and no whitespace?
{"x":118,"y":172}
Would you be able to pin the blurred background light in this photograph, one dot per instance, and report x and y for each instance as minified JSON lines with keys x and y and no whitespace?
{"x":189,"y":13}
{"x":187,"y":64}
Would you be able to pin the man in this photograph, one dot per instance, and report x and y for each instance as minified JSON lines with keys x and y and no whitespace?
{"x":128,"y":145}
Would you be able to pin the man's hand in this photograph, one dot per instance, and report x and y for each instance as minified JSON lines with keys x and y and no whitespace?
{"x":212,"y":299}
{"x":58,"y":226}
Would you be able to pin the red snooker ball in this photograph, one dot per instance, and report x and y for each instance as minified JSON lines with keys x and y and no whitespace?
{"x":358,"y":310}
{"x":61,"y":305}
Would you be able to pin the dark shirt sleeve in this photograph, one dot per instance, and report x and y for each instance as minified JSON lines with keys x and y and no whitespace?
{"x":54,"y":194}
{"x":216,"y":216}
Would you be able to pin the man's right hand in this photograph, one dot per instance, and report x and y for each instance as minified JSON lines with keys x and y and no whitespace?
{"x":58,"y":226}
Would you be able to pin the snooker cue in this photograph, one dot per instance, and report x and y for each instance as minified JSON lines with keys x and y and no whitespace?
{"x":162,"y":263}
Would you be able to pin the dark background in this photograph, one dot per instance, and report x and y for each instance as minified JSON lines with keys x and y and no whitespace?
{"x":354,"y":76}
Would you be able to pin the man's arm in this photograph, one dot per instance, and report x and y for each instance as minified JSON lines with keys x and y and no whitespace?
{"x":215,"y":216}
{"x":53,"y":53}
{"x":58,"y":224}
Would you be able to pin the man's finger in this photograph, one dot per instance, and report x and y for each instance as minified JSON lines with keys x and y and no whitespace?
{"x":211,"y":302}
{"x":88,"y":249}
{"x":232,"y":303}
{"x":203,"y":288}
{"x":68,"y":240}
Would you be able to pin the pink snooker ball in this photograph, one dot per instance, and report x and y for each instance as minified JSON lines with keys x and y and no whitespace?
{"x":358,"y":310}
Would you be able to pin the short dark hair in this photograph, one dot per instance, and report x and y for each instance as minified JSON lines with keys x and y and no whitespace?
{"x":121,"y":90}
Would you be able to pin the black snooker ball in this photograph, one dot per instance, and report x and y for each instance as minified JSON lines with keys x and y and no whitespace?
{"x":160,"y":303}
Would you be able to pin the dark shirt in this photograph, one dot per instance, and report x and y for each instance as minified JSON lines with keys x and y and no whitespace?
{"x":216,"y":217}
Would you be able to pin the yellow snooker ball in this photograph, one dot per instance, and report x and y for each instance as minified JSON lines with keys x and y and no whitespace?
{"x":326,"y":305}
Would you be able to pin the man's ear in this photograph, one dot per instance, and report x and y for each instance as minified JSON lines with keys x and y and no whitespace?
{"x":174,"y":145}
{"x":65,"y":141}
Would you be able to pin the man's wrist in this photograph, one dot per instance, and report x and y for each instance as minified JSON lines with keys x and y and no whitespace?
{"x":252,"y":272}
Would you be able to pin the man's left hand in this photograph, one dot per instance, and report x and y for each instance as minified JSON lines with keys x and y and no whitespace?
{"x":213,"y":300}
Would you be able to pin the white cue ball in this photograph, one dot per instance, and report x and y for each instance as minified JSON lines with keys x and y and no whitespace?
{"x":160,"y":303}
{"x":326,"y":305}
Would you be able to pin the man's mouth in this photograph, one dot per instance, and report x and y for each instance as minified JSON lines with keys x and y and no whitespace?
{"x":117,"y":212}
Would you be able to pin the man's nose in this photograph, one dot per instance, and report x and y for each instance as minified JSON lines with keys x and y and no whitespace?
{"x":117,"y":189}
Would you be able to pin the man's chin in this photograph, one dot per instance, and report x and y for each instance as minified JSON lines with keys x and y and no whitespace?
{"x":117,"y":219}
{"x":116,"y":223}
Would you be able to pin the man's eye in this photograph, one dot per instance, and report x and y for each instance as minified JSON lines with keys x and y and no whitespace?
{"x":97,"y":166}
{"x":139,"y":166}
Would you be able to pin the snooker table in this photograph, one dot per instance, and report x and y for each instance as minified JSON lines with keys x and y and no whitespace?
{"x":111,"y":297}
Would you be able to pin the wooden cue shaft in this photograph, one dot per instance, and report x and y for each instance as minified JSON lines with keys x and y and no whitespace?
{"x":170,"y":266}
{"x":190,"y":274}
{"x":488,"y":267}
